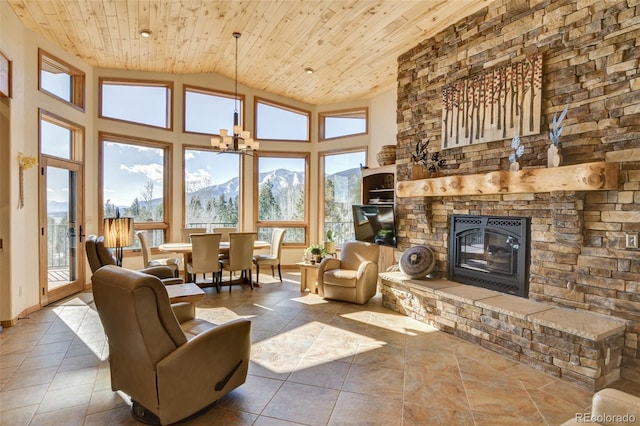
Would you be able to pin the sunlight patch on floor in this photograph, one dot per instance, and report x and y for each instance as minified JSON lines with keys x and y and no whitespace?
{"x":333,"y":344}
{"x":310,"y":299}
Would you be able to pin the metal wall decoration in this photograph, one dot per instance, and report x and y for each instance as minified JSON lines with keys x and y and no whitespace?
{"x":493,"y":105}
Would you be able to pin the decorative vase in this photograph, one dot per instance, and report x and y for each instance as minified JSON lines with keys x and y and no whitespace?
{"x":330,"y":246}
{"x":418,"y":171}
{"x":387,"y":155}
{"x":554,"y":158}
{"x":514,"y":167}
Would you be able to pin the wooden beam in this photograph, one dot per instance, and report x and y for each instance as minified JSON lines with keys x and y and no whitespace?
{"x":579,"y":177}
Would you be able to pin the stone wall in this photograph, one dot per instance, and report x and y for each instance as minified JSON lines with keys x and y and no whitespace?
{"x":590,"y":60}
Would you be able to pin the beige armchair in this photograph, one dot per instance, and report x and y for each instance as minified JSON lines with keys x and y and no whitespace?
{"x":171,"y":364}
{"x":98,"y":256}
{"x":354,"y":278}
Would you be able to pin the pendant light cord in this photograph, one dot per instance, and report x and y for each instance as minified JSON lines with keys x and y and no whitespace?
{"x":236,"y":116}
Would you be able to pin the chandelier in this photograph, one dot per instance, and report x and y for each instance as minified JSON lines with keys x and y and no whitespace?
{"x":240,"y":142}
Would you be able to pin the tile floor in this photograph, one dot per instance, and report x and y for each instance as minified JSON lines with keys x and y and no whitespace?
{"x":314,"y":362}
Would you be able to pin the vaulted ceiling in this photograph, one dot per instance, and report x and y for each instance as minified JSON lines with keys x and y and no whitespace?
{"x":352,"y":45}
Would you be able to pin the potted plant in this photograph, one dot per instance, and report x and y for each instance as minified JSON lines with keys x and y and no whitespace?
{"x":315,"y":253}
{"x":329,"y":242}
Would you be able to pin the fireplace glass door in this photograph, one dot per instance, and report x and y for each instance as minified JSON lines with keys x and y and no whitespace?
{"x":488,"y":251}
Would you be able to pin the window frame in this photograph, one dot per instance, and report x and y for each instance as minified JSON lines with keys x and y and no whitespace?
{"x":307,"y":185}
{"x":77,"y":141}
{"x":212,"y":92}
{"x":184,"y":183}
{"x":322,"y":116}
{"x":322,"y":186}
{"x":78,"y":79}
{"x":258,"y":100}
{"x":168,"y":84}
{"x":167,"y":186}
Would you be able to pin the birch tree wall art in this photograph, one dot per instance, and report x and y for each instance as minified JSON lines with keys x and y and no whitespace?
{"x":493,"y":105}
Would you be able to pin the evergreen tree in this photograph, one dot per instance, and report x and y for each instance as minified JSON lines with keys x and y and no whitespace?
{"x":135,"y":210}
{"x":268,"y":207}
{"x":109,"y":209}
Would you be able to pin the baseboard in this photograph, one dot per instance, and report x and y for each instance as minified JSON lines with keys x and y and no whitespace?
{"x":24,"y":313}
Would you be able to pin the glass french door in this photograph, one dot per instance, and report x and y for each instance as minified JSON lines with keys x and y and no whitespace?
{"x":61,"y":229}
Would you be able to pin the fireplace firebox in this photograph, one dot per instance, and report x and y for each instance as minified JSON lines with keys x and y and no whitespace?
{"x":490,"y":252}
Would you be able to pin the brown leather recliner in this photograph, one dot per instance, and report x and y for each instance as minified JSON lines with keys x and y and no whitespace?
{"x":167,"y":361}
{"x":99,"y":256}
{"x":354,"y":278}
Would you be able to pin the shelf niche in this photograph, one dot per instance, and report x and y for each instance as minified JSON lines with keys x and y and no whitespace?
{"x":580,"y":177}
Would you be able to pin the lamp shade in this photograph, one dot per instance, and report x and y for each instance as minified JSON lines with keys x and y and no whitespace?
{"x":118,"y":232}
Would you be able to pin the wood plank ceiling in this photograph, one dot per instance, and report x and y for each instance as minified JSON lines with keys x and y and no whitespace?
{"x":352,"y":45}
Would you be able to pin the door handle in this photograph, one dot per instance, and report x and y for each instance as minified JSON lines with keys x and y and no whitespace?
{"x":81,"y":234}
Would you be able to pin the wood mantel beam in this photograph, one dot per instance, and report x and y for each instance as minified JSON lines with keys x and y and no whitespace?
{"x":578,"y":177}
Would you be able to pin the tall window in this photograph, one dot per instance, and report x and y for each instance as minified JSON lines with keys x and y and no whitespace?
{"x":281,"y":199}
{"x":336,"y":124}
{"x":135,"y":180}
{"x":342,"y":187}
{"x":275,"y":121}
{"x":137,"y":101}
{"x":61,"y":80}
{"x":211,"y":195}
{"x":207,"y":111}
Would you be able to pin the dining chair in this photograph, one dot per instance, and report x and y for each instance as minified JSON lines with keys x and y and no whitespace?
{"x":225,"y":238}
{"x":273,"y":258}
{"x":204,"y":258}
{"x":171,"y":262}
{"x":186,"y":233}
{"x":240,"y":255}
{"x":225,"y":232}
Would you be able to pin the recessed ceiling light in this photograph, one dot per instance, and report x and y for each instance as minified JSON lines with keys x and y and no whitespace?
{"x":309,"y":70}
{"x":145,"y":33}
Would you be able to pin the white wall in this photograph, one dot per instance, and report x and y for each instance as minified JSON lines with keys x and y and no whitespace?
{"x":19,"y":288}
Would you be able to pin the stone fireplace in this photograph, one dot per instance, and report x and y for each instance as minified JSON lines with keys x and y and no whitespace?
{"x":490,"y":252}
{"x":578,"y":258}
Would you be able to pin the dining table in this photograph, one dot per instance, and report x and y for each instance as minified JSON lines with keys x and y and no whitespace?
{"x":186,"y":249}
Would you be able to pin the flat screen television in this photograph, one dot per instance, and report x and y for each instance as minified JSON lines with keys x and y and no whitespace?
{"x":375,"y":224}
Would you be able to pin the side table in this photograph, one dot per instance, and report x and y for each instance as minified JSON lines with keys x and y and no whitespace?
{"x":308,"y":277}
{"x":187,"y":292}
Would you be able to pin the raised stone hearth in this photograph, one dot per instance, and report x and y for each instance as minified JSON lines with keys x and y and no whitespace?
{"x":579,"y":347}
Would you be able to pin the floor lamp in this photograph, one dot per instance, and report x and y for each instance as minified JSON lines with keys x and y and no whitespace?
{"x":118,"y":233}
